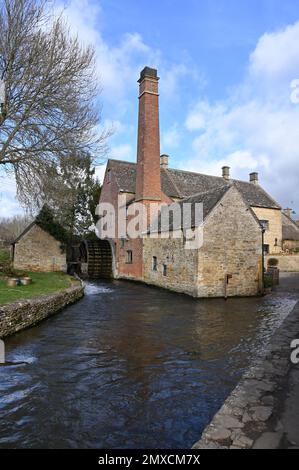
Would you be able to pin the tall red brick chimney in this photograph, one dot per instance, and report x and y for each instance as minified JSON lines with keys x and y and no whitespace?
{"x":148,"y":177}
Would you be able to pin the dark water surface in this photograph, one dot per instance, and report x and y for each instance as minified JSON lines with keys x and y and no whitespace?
{"x":129,"y":366}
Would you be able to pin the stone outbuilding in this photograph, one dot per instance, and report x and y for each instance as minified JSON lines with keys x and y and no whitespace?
{"x":290,"y":233}
{"x":36,"y":249}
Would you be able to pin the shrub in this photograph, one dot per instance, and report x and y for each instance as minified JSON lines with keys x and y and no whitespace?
{"x":45,"y":220}
{"x":273,"y":262}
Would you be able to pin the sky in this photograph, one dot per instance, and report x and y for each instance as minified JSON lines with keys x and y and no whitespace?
{"x":228,"y":89}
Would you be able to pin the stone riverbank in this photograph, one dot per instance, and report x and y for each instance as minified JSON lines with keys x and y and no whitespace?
{"x":19,"y":315}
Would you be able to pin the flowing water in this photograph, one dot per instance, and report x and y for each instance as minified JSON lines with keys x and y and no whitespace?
{"x":129,"y":366}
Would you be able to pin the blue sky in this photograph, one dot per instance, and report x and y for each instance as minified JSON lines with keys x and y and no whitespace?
{"x":226,"y":69}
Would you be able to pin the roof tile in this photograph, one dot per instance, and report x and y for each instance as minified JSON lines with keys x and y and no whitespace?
{"x":182,"y":184}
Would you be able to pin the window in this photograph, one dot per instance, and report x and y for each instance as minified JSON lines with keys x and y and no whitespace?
{"x":266,"y":249}
{"x":129,"y":257}
{"x":109,"y":176}
{"x":155,"y":263}
{"x":164,"y":270}
{"x":122,"y":242}
{"x":265,"y":224}
{"x":276,"y":242}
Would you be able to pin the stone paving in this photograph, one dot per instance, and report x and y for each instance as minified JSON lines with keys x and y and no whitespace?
{"x":262,"y":411}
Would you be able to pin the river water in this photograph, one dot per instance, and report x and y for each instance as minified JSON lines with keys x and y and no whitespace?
{"x":130,"y":366}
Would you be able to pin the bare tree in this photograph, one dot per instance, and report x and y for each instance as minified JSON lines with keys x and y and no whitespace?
{"x":12,"y":227}
{"x":49,"y":107}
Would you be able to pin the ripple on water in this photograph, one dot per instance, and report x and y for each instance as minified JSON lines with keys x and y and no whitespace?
{"x":130,"y":366}
{"x":94,"y":289}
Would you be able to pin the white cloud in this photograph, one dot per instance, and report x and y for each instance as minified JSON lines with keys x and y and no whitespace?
{"x":9,"y":206}
{"x":118,"y":66}
{"x":241,"y":163}
{"x":171,"y":138}
{"x":276,"y":54}
{"x":256,"y":128}
{"x":121,"y":151}
{"x":100,"y":172}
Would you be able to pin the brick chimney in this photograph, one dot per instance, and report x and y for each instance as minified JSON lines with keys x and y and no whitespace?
{"x":254,"y":178}
{"x":148,"y":177}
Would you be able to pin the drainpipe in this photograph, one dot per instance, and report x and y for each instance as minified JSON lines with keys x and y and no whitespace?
{"x":226,"y":282}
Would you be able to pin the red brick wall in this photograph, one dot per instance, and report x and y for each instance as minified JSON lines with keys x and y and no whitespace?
{"x":148,"y":176}
{"x":110,"y":193}
{"x":148,"y":179}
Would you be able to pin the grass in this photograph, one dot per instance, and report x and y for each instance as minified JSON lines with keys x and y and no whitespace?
{"x":42,"y":284}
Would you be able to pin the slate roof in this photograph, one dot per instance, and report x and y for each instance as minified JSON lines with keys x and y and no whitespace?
{"x":181,"y":184}
{"x":208,"y":199}
{"x":290,"y":230}
{"x":290,"y":233}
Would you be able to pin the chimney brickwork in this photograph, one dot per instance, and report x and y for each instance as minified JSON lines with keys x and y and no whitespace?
{"x":148,"y":178}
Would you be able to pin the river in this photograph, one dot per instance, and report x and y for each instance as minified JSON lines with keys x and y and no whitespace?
{"x":130,"y":366}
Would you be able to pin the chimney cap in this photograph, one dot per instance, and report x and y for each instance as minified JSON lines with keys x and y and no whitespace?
{"x":148,"y":72}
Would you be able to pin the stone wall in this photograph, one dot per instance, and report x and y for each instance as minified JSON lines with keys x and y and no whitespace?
{"x":37,"y":250}
{"x":17,"y":316}
{"x":286,"y":263}
{"x":290,"y":245}
{"x":273,"y":236}
{"x":232,"y":244}
{"x":181,"y":265}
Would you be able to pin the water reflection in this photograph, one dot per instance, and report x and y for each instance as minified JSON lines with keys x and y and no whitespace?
{"x":129,"y":366}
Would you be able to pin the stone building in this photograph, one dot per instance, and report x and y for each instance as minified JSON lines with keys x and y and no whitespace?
{"x":229,"y":262}
{"x":37,"y":250}
{"x":290,"y":232}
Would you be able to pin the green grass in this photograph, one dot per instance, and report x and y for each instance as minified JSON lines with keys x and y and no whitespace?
{"x":42,"y":284}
